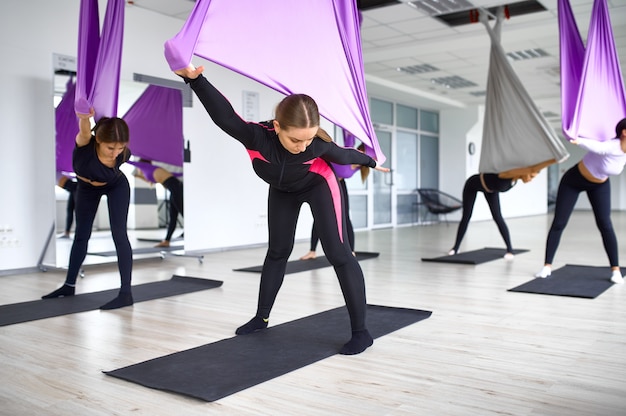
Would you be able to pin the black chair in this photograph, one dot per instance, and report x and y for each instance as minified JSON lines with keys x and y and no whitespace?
{"x":439,"y":203}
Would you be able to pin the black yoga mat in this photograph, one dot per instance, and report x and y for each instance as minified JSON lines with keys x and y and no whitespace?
{"x":157,"y":240}
{"x":296,"y":266}
{"x":571,"y":280}
{"x":216,"y":370}
{"x":475,"y":257}
{"x":140,"y":250}
{"x":47,"y":308}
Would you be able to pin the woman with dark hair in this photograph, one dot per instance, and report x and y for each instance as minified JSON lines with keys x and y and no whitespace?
{"x":96,"y":161}
{"x":591,"y":174}
{"x":293,"y":155}
{"x":491,"y":185}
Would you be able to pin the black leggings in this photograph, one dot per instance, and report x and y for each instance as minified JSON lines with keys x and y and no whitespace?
{"x":350,"y":230}
{"x":175,"y":186}
{"x":283,"y":211}
{"x":87,"y":201}
{"x":70,"y":186}
{"x":572,"y":184}
{"x":472,"y":186}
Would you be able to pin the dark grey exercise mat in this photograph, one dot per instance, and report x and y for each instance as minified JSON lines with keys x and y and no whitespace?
{"x":571,"y":280}
{"x":213,"y":371}
{"x":47,"y":308}
{"x":475,"y":257}
{"x":296,"y":266}
{"x":156,"y":240}
{"x":140,"y":250}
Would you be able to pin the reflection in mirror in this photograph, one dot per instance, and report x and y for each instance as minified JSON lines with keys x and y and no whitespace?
{"x":151,"y":211}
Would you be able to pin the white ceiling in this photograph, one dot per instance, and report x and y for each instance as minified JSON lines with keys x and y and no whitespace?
{"x":400,"y":35}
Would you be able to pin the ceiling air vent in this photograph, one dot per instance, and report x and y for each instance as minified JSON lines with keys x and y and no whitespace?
{"x":527,"y":54}
{"x":417,"y":69}
{"x":453,"y":82}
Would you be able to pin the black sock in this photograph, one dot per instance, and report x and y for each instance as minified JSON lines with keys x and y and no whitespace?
{"x":255,"y":324}
{"x":65,"y":290}
{"x":123,"y":299}
{"x":359,"y":343}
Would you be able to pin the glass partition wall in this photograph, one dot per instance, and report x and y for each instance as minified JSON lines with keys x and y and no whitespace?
{"x":409,"y":138}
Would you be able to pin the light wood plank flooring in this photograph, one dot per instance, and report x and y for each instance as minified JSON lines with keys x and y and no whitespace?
{"x":484,"y":351}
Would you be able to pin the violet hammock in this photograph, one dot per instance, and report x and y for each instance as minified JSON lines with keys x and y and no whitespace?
{"x":592,"y":88}
{"x":517,"y":139}
{"x":66,"y":125}
{"x":305,"y":46}
{"x":99,"y":58}
{"x":155,"y":121}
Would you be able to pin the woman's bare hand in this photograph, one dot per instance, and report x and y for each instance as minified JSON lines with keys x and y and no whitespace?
{"x":190,"y":71}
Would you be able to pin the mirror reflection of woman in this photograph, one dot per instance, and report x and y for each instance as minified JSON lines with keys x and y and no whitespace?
{"x":152,"y":174}
{"x":96,"y":161}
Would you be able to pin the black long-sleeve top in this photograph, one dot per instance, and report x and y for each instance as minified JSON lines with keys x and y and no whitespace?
{"x":271,"y":161}
{"x":86,"y":163}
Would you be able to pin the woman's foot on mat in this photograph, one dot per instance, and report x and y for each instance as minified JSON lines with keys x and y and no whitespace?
{"x":544,"y":272}
{"x":164,"y":243}
{"x":360,"y":341}
{"x":617,"y":277}
{"x":509,"y":256}
{"x":255,"y":324}
{"x":308,"y":256}
{"x":123,"y":299}
{"x":65,"y":290}
{"x":452,"y":252}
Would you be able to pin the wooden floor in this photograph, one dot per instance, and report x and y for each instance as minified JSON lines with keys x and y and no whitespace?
{"x":484,"y":351}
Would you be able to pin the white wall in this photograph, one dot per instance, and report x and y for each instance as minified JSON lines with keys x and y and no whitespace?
{"x":227,"y":201}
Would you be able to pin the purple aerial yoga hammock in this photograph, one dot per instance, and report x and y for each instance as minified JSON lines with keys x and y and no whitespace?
{"x":99,"y":58}
{"x":66,"y":124}
{"x":592,"y":88}
{"x":320,"y":38}
{"x":155,"y":122}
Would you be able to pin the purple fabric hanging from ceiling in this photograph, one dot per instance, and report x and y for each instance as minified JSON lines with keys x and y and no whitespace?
{"x":155,"y":122}
{"x":66,"y":124}
{"x":592,"y":88}
{"x":99,"y":58}
{"x":309,"y":46}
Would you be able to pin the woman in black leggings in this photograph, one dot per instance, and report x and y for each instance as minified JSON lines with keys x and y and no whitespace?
{"x":491,"y":186}
{"x":157,"y":174}
{"x":591,"y":175}
{"x":70,"y":186}
{"x":292,"y":154}
{"x":96,"y":161}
